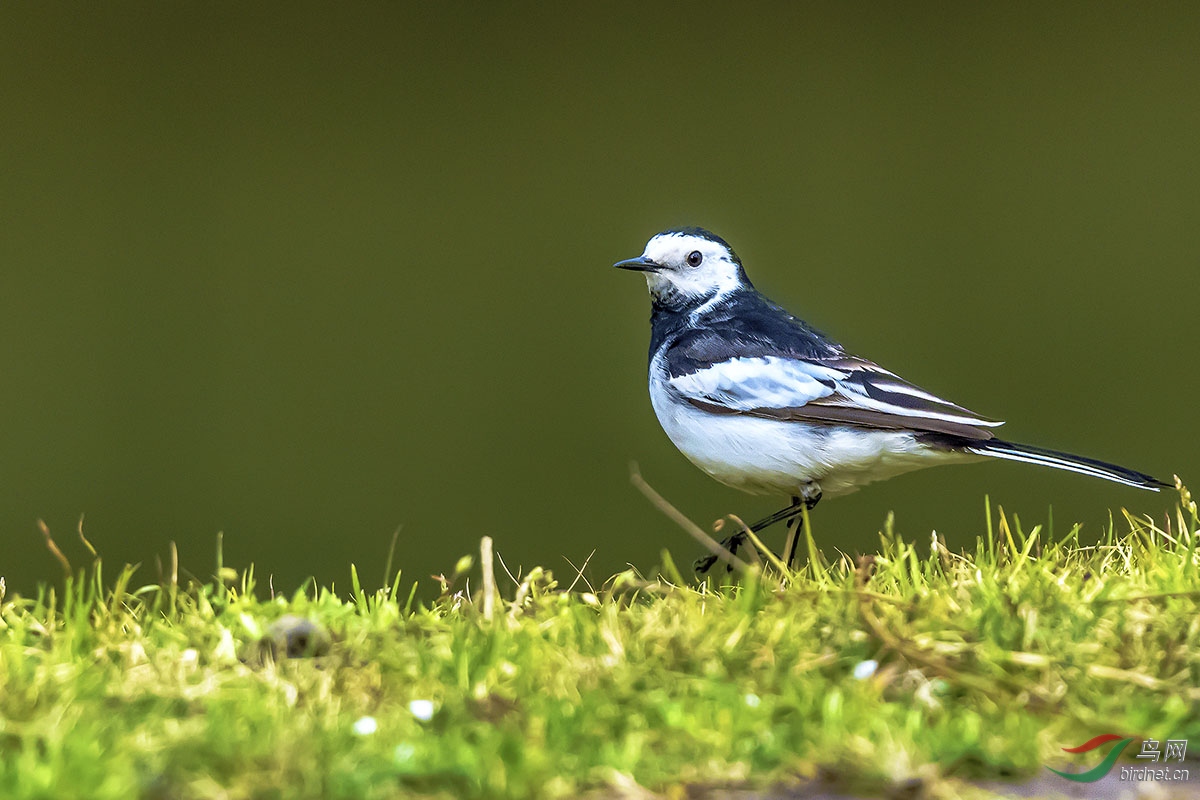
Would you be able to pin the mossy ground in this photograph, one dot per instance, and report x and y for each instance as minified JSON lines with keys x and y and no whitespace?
{"x":915,"y":672}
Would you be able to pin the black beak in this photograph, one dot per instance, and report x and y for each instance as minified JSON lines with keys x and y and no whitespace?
{"x":639,"y":264}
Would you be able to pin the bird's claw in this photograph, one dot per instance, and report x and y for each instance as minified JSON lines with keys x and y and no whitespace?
{"x":703,"y":565}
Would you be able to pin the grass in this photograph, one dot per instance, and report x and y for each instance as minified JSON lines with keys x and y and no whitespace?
{"x":915,"y":672}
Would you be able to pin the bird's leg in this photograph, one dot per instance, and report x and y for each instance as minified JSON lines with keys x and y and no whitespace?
{"x":796,"y":524}
{"x":793,"y":537}
{"x":809,"y":498}
{"x":737,"y":540}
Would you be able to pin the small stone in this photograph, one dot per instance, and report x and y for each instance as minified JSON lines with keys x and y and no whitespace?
{"x":295,"y":637}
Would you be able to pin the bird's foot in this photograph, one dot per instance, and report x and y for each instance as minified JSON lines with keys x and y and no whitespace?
{"x":703,"y":565}
{"x":810,"y":495}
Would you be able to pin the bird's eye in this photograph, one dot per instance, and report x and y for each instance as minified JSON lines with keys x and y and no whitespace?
{"x":694,"y":258}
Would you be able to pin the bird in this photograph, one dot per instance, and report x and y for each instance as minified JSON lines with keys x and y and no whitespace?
{"x":765,"y":403}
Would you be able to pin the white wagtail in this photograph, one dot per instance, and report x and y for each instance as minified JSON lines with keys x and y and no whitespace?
{"x":762,"y":402}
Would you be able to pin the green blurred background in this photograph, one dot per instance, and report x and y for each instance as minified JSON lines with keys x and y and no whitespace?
{"x":304,"y":274}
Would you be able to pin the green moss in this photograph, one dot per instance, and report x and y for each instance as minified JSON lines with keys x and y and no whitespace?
{"x":987,"y":664}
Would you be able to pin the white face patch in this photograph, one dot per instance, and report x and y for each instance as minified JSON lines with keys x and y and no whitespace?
{"x":716,"y":271}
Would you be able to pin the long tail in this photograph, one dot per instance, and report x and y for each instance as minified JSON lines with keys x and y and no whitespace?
{"x":996,"y":448}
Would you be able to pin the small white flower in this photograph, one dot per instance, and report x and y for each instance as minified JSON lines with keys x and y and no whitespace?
{"x":365,"y":726}
{"x":865,"y":669}
{"x":422,"y":709}
{"x":752,"y":700}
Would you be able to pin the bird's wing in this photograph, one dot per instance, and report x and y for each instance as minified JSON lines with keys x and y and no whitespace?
{"x":837,"y":389}
{"x":871,"y":395}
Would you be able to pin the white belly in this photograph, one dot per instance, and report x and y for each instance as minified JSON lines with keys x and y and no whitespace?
{"x":766,"y":456}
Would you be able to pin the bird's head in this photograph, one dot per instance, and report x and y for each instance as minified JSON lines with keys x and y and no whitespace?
{"x":687,"y":265}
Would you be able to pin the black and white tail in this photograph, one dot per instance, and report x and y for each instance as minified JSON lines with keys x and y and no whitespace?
{"x":996,"y":448}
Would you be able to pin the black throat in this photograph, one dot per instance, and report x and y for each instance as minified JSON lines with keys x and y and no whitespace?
{"x":671,"y":315}
{"x":742,"y":324}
